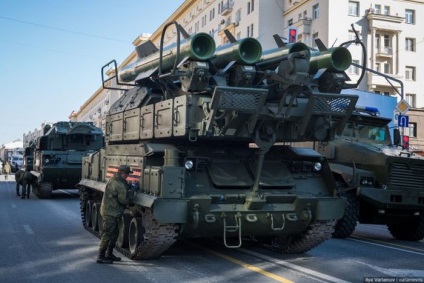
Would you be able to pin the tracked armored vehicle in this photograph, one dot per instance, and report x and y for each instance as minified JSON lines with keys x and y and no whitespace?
{"x":382,"y":181}
{"x":203,"y":129}
{"x":56,"y":157}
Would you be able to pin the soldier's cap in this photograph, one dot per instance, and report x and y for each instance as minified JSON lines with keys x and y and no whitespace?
{"x":125,"y":168}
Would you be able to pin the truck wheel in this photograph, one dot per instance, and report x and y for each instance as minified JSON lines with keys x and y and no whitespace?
{"x":45,"y":190}
{"x":347,"y":224}
{"x":411,"y":230}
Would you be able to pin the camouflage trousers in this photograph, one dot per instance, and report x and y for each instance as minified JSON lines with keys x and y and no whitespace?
{"x":110,"y":232}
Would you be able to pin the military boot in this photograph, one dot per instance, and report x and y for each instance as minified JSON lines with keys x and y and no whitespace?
{"x":101,"y":257}
{"x":110,"y":255}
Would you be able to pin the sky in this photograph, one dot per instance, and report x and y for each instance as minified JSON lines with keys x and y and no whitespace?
{"x":52,"y":51}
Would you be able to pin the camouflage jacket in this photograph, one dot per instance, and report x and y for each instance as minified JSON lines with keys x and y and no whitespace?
{"x":19,"y":177}
{"x":28,"y":178}
{"x":116,"y":197}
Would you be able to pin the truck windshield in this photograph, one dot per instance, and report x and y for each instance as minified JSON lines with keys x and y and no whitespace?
{"x":373,"y":134}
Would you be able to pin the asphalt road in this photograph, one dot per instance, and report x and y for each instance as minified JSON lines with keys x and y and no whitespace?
{"x":44,"y":241}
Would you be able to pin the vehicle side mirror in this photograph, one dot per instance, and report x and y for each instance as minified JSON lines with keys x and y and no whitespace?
{"x":396,"y":137}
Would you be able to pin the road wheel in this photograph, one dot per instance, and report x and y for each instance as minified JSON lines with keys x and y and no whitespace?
{"x":347,"y":224}
{"x":410,"y":230}
{"x":95,"y":211}
{"x":135,"y":235}
{"x":88,"y":216}
{"x":123,"y":226}
{"x":317,"y":233}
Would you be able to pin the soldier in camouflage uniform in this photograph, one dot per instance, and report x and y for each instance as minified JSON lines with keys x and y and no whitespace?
{"x":29,"y":180}
{"x":117,"y":196}
{"x":19,"y":180}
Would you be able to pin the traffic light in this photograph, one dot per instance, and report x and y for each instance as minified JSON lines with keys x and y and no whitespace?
{"x":292,"y":34}
{"x":405,"y":144}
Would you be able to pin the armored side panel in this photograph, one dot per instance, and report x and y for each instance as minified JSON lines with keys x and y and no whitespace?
{"x":163,"y":119}
{"x":146,"y":122}
{"x":132,"y":124}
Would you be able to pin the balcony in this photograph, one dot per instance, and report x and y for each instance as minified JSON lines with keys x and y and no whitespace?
{"x":375,"y":80}
{"x":304,"y":25}
{"x":386,"y":52}
{"x":383,"y":21}
{"x":227,"y":8}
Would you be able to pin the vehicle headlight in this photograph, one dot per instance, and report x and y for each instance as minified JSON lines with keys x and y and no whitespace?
{"x":188,"y":164}
{"x":367,"y":181}
{"x":317,"y":166}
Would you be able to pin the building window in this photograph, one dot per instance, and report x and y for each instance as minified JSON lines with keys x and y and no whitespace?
{"x":386,"y":10}
{"x":248,"y":31}
{"x":238,"y":15}
{"x":305,"y":14}
{"x":252,"y":6}
{"x":315,"y":11}
{"x":314,"y":36}
{"x":354,"y":69}
{"x":248,"y":8}
{"x":353,"y":8}
{"x":290,"y":22}
{"x":411,"y":99}
{"x":409,"y":16}
{"x":238,"y":35}
{"x":378,"y":67}
{"x":377,"y":9}
{"x":377,"y":41}
{"x":219,"y":8}
{"x":212,"y":14}
{"x":387,"y":68}
{"x":387,"y":45}
{"x":251,"y":30}
{"x":412,"y":130}
{"x":204,"y":19}
{"x":300,"y":16}
{"x":410,"y":44}
{"x":410,"y":73}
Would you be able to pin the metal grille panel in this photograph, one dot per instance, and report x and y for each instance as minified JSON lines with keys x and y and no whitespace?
{"x":332,"y":105}
{"x":242,"y":99}
{"x":407,"y":176}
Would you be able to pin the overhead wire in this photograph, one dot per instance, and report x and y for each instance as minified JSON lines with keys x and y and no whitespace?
{"x":62,"y":29}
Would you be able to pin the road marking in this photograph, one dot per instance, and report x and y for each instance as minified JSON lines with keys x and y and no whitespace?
{"x":243,"y":264}
{"x":295,"y":267}
{"x":28,"y":230}
{"x":388,"y":245}
{"x":71,"y":194}
{"x":394,"y":272}
{"x":251,"y":267}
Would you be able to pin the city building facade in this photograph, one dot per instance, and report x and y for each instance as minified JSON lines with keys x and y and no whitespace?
{"x":389,"y":29}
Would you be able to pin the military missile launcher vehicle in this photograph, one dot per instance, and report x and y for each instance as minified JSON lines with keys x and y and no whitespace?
{"x":203,"y":129}
{"x":56,"y":157}
{"x":382,"y":181}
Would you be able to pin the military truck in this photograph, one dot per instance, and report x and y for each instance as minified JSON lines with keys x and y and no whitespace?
{"x":382,"y":181}
{"x":56,"y":157}
{"x":203,"y":129}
